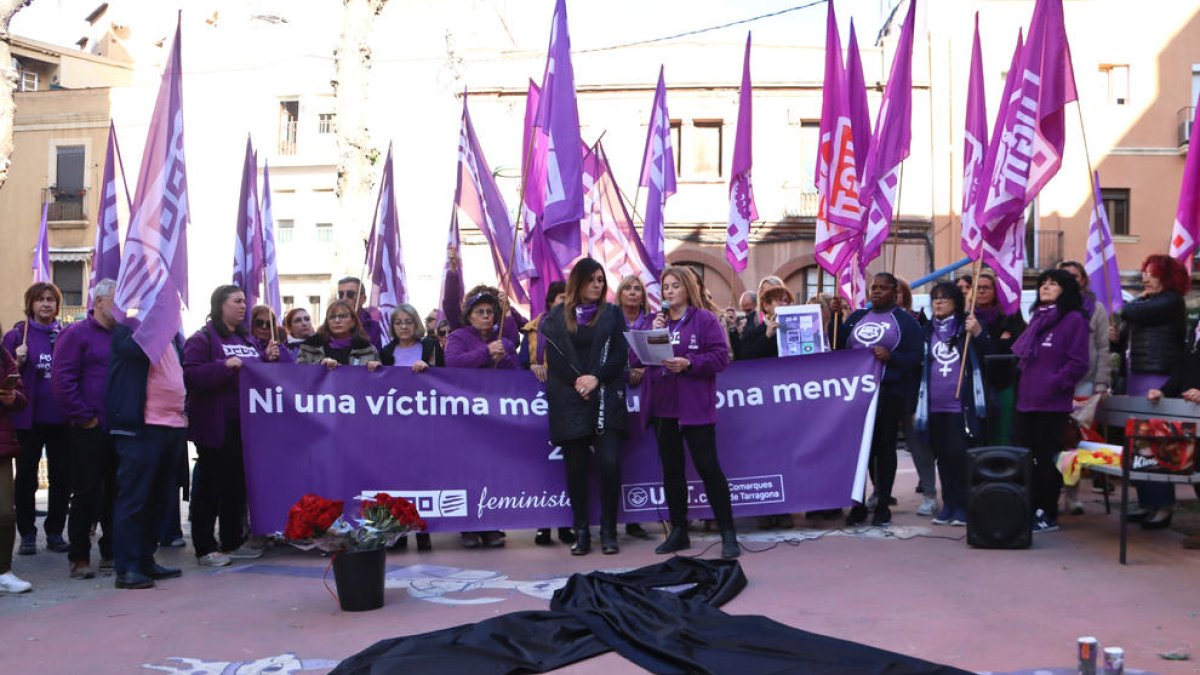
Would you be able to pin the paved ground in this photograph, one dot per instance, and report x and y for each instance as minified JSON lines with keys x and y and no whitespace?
{"x":918,"y":590}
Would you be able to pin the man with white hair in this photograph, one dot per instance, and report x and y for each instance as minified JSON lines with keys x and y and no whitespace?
{"x":80,"y":385}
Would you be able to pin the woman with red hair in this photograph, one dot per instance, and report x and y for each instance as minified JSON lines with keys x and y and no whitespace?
{"x":1153,"y":338}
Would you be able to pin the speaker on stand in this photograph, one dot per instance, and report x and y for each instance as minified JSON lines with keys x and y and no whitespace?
{"x":999,"y":497}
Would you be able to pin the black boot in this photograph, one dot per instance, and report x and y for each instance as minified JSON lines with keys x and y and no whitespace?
{"x":677,"y":540}
{"x":583,"y":541}
{"x":423,"y":542}
{"x":729,"y":544}
{"x":636,"y":531}
{"x":608,"y":541}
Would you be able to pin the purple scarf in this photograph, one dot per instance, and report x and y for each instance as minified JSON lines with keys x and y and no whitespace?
{"x":1089,"y":304}
{"x":945,"y":329}
{"x":585,"y":313}
{"x":1045,"y":318}
{"x":988,"y":315}
{"x":339,"y":343}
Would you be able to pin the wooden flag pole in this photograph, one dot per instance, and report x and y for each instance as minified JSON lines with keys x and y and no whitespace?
{"x":1095,"y":207}
{"x":962,"y":363}
{"x":506,"y":278}
{"x":895,"y":219}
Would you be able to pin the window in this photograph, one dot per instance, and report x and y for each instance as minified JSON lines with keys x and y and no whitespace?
{"x":289,"y":301}
{"x":324,"y":233}
{"x":66,"y":199}
{"x":816,"y":280}
{"x":314,"y":307}
{"x":289,"y":115}
{"x":285,"y":231}
{"x":28,"y":81}
{"x":706,"y":149}
{"x":325,"y":123}
{"x":810,"y":142}
{"x":677,"y":147}
{"x":1116,"y":207}
{"x":1116,"y":82}
{"x":68,"y":276}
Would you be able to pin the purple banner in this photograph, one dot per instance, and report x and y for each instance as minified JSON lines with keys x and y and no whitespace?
{"x":470,"y":447}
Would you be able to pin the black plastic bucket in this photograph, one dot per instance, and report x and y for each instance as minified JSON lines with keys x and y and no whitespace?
{"x":359,"y":578}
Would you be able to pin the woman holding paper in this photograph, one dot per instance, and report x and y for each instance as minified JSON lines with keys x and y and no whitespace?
{"x":679,"y":398}
{"x":586,"y":354}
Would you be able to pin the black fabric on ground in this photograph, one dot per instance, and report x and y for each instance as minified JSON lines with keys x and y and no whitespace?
{"x":644,"y":616}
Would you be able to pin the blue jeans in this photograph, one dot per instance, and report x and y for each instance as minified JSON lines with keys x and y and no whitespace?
{"x":145,"y":478}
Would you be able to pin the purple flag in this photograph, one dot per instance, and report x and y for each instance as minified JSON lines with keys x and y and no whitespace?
{"x":385,"y":259}
{"x":270,"y":261}
{"x":153,"y":285}
{"x":248,"y":242}
{"x":557,"y":123}
{"x":658,"y":174}
{"x":889,"y":146}
{"x":41,"y":251}
{"x":548,"y":271}
{"x":742,"y":210}
{"x":1187,"y":216}
{"x":860,"y":113}
{"x":479,"y":198}
{"x":852,"y":282}
{"x":106,"y":255}
{"x":1104,"y":275}
{"x":612,"y":238}
{"x":839,"y":214}
{"x":975,"y":142}
{"x":1004,"y":242}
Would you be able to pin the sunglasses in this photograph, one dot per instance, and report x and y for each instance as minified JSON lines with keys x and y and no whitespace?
{"x":262,"y":323}
{"x":339,"y":317}
{"x":347,"y":295}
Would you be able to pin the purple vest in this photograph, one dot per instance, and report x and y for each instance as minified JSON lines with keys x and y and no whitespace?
{"x":875,"y":329}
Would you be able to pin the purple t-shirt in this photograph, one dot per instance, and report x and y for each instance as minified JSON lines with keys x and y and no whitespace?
{"x":943,"y":367}
{"x":40,"y":340}
{"x":876,"y":329}
{"x":406,"y":356}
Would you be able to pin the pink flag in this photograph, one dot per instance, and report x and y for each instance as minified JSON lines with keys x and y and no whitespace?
{"x":1104,"y":274}
{"x":658,"y":174}
{"x":152,"y":287}
{"x":248,"y":240}
{"x":852,"y":282}
{"x":612,"y":238}
{"x":742,"y":210}
{"x":889,"y":146}
{"x":975,"y":143}
{"x":41,"y":251}
{"x":385,"y":259}
{"x":106,"y":255}
{"x":270,"y":262}
{"x":860,"y":113}
{"x":1187,"y":215}
{"x":839,"y":214}
{"x":1004,"y":242}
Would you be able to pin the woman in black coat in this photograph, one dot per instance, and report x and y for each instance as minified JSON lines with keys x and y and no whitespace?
{"x":586,"y":355}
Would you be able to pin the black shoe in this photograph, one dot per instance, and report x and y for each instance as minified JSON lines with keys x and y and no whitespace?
{"x":920,"y":490}
{"x":729,"y":544}
{"x":542,"y":538}
{"x":882,"y":517}
{"x":858,"y":515}
{"x":493,"y":539}
{"x":28,"y":545}
{"x":471,"y":540}
{"x":636,"y":531}
{"x":156,"y":571}
{"x":566,"y":535}
{"x":583,"y":541}
{"x":1156,"y":521}
{"x":608,"y":542}
{"x":56,"y":543}
{"x":423,"y":542}
{"x":677,"y":540}
{"x":133,"y":580}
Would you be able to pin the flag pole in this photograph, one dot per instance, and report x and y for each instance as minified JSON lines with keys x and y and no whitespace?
{"x":962,"y":363}
{"x":1095,"y":207}
{"x":506,"y":278}
{"x":895,"y":220}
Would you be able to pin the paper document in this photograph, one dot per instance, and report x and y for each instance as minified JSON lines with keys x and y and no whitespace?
{"x":651,"y":346}
{"x":800,"y":330}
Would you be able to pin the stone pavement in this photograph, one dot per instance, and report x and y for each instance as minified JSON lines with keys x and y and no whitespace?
{"x":917,"y":589}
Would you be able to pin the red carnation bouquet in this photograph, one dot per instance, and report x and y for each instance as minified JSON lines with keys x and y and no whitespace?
{"x":317,"y":522}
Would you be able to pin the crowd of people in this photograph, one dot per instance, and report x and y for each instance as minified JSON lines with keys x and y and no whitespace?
{"x":114,"y":424}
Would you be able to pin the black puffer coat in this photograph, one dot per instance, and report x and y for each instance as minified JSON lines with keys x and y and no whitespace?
{"x":1154,"y":328}
{"x":599,"y":350}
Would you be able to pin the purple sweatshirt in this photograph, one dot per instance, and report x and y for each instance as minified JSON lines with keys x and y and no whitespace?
{"x":36,"y":373}
{"x":80,"y":378}
{"x":1053,"y":354}
{"x":690,"y":396}
{"x":212,"y":386}
{"x":466,"y":349}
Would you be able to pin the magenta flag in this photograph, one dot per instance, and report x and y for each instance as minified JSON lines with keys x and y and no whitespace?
{"x":975,"y":143}
{"x":860,"y":113}
{"x":852,"y":282}
{"x":479,"y":198}
{"x":1104,"y":274}
{"x":106,"y":254}
{"x":658,"y":174}
{"x":270,"y":259}
{"x":41,"y":251}
{"x":889,"y":146}
{"x":839,"y":214}
{"x":742,"y":210}
{"x":385,"y":259}
{"x":533,"y":161}
{"x":558,"y":123}
{"x":248,"y":240}
{"x":612,"y":238}
{"x":1004,"y":241}
{"x":548,"y":271}
{"x":1187,"y":216}
{"x":153,"y":285}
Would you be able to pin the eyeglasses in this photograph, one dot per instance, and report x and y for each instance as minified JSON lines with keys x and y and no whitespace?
{"x":347,"y":295}
{"x":483,"y":311}
{"x":262,"y":323}
{"x":339,"y":317}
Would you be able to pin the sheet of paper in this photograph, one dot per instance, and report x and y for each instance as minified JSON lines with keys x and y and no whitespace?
{"x":800,"y":331}
{"x":651,"y":346}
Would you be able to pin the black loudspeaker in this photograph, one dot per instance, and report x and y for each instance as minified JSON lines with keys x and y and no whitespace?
{"x":999,"y":507}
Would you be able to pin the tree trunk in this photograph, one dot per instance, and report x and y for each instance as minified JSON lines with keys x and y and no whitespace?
{"x":8,"y":108}
{"x":356,"y":157}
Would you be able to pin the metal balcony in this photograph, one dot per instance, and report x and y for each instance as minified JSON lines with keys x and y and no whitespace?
{"x":65,"y":205}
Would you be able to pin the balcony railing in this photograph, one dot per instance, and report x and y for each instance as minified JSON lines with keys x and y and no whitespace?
{"x":287,"y":137}
{"x":1044,"y":249}
{"x":65,"y":204}
{"x":1183,"y":123}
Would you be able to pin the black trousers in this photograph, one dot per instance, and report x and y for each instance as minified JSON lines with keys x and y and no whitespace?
{"x":52,"y":437}
{"x":578,"y":456}
{"x":93,"y":491}
{"x":702,"y":442}
{"x":1042,"y":433}
{"x":219,"y":493}
{"x":145,"y":466}
{"x":889,"y":412}
{"x":948,"y":441}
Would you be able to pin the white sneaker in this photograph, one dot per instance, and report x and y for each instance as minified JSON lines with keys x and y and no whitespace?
{"x":214,"y":559}
{"x":245,"y":552}
{"x":11,"y":583}
{"x":928,"y":507}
